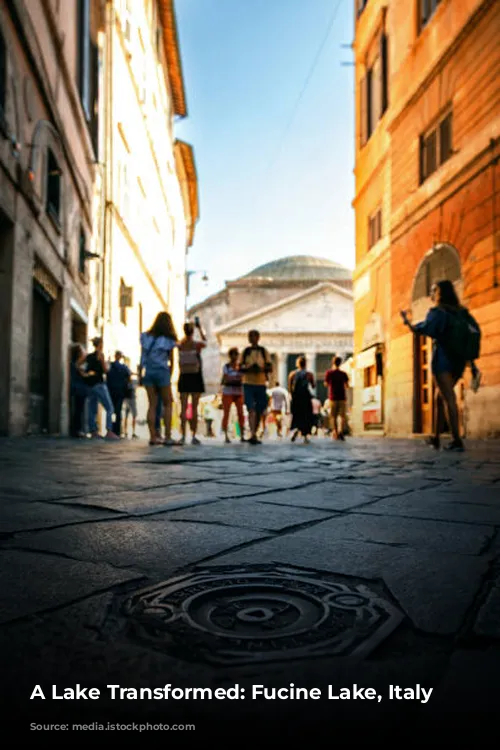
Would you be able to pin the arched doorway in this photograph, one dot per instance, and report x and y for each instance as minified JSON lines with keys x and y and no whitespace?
{"x":441,"y":262}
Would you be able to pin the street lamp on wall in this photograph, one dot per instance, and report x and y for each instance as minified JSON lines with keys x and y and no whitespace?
{"x":204,"y":278}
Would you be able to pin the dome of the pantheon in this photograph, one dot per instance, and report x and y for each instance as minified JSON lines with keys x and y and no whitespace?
{"x":301,"y":268}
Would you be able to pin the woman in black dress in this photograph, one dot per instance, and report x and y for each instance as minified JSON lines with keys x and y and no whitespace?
{"x":300,"y":385}
{"x":191,"y":377}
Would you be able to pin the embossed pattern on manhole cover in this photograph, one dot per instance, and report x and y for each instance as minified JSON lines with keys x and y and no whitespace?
{"x":244,"y":615}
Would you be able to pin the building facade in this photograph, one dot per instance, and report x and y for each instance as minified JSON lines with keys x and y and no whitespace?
{"x":147,"y":202}
{"x":300,"y":305}
{"x":427,"y":176}
{"x":48,"y":162}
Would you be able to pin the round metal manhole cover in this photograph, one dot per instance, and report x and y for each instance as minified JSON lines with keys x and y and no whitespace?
{"x":243,"y":615}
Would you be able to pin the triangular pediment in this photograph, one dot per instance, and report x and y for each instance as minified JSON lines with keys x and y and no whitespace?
{"x":324,"y":308}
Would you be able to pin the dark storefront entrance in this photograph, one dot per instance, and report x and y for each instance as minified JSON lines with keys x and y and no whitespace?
{"x":40,"y":360}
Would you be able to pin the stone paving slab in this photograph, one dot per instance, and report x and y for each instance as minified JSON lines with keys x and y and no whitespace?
{"x":326,"y":496}
{"x":157,"y":500}
{"x":435,"y":505}
{"x":415,"y":533}
{"x":31,"y":582}
{"x":285,"y":480}
{"x":249,"y":514}
{"x":433,"y":588}
{"x":488,"y":618}
{"x":20,"y":516}
{"x":158,"y":547}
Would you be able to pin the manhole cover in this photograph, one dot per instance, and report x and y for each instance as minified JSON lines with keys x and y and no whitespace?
{"x":243,"y":615}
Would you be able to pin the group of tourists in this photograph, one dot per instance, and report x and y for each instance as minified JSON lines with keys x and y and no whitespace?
{"x":246,"y":377}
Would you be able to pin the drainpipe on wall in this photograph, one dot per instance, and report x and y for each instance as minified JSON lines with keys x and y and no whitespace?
{"x":108,"y":174}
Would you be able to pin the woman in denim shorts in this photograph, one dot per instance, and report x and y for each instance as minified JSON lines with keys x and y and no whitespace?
{"x":157,"y":346}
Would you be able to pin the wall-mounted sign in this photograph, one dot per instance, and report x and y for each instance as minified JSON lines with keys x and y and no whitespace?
{"x":126,"y":296}
{"x":372,"y":405}
{"x":46,"y":281}
{"x":374,"y":331}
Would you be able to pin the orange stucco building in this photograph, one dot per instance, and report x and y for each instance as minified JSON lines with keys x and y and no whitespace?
{"x":427,"y":177}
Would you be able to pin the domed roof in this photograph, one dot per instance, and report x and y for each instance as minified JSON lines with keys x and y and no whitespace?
{"x":301,"y":268}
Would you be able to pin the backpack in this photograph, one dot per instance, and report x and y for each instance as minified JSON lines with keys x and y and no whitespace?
{"x":463,"y":340}
{"x":189,"y":361}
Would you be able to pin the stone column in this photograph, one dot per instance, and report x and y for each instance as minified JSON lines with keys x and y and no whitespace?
{"x":280,"y":374}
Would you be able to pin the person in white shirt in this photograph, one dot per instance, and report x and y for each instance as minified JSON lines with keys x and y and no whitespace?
{"x":280,"y":406}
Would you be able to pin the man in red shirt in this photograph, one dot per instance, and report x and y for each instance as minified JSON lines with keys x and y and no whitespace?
{"x":337,"y":382}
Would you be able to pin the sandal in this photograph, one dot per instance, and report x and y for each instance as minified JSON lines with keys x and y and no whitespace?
{"x":155,"y":442}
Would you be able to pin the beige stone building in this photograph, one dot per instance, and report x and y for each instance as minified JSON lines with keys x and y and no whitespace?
{"x":48,"y":161}
{"x":300,"y":304}
{"x":147,"y":195}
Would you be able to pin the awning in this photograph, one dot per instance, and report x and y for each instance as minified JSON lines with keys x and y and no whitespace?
{"x":366,"y":359}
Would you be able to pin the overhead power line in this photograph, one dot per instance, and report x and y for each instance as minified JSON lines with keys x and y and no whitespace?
{"x":303,"y":89}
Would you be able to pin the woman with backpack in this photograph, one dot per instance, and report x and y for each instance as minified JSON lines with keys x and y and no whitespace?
{"x":191,"y":378}
{"x":300,"y":385}
{"x":447,"y":324}
{"x":157,"y":347}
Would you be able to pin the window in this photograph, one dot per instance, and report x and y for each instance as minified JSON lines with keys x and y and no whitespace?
{"x":436,"y":147}
{"x":374,"y":228}
{"x":88,"y":70}
{"x":126,"y":25}
{"x":3,"y":77}
{"x":82,"y":260}
{"x":426,"y":9}
{"x":84,"y":54}
{"x":374,"y":91}
{"x":360,"y":6}
{"x":53,"y":203}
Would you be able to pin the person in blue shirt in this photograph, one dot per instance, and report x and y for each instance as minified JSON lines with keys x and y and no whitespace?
{"x":118,"y":382}
{"x":446,"y":372}
{"x":157,"y":347}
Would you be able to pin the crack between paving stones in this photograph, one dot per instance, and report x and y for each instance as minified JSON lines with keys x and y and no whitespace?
{"x":114,"y":589}
{"x":100,"y":563}
{"x":276,"y":532}
{"x":419,"y":518}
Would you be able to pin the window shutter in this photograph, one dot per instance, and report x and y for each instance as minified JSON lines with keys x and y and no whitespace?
{"x":363,"y":112}
{"x":385,"y":72}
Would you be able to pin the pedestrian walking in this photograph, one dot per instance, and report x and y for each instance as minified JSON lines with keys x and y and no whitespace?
{"x":337,"y":382}
{"x":191,"y":384}
{"x":280,"y":406}
{"x":301,"y":384}
{"x":232,"y":393}
{"x":97,"y":368}
{"x":456,"y":341}
{"x":118,"y":381}
{"x":256,"y":367}
{"x":130,"y":405}
{"x":79,"y":391}
{"x":157,"y":346}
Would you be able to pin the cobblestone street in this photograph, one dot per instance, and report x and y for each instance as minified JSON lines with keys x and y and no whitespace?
{"x":373,"y":562}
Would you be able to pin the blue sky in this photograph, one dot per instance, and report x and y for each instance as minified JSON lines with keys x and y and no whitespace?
{"x":269,"y":185}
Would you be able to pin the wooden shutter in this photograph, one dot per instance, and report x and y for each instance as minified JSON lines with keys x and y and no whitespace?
{"x":384,"y":86}
{"x":363,"y":112}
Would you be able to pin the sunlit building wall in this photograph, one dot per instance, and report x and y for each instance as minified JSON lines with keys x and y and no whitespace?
{"x":427,"y":176}
{"x":148,"y":193}
{"x":49,"y":156}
